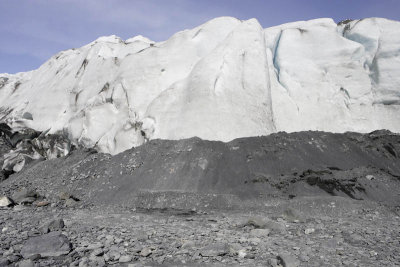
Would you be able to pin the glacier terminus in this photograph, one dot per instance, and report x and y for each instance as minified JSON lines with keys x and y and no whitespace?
{"x":222,"y":80}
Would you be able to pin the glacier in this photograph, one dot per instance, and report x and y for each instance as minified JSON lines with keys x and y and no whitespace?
{"x":222,"y":80}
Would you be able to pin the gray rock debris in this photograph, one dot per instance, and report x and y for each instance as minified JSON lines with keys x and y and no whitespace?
{"x":29,"y":145}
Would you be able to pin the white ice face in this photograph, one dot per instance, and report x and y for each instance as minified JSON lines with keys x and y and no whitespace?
{"x":222,"y":80}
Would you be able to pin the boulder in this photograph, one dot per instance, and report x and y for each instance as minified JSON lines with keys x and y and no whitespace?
{"x":53,"y":244}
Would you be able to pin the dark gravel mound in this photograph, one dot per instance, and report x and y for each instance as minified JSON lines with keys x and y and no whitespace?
{"x":195,"y":173}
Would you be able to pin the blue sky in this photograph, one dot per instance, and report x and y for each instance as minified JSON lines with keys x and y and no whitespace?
{"x":31,"y":31}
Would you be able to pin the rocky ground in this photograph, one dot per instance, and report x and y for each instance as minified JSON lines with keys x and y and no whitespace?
{"x":337,"y":232}
{"x":301,"y":199}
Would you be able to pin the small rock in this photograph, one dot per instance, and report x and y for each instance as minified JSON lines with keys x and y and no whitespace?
{"x":146,"y":252}
{"x":188,"y":244}
{"x":5,"y":201}
{"x":34,"y":257}
{"x":141,"y":236}
{"x":261,"y":223}
{"x":304,"y":258}
{"x":27,"y":200}
{"x":242,"y":253}
{"x":287,"y":260}
{"x":8,"y":252}
{"x":256,"y":222}
{"x":70,"y":202}
{"x":234,"y":249}
{"x":259,"y":232}
{"x":54,"y":225}
{"x":114,"y":255}
{"x":64,"y":195}
{"x":53,"y":244}
{"x":309,"y":231}
{"x":98,"y":252}
{"x":370,"y":177}
{"x":14,"y":258}
{"x":20,"y":208}
{"x":84,"y":262}
{"x":4,"y":262}
{"x":273,"y":263}
{"x":42,"y":203}
{"x":276,"y":227}
{"x":97,"y":261}
{"x":214,"y":250}
{"x":292,"y":215}
{"x":94,"y":246}
{"x":125,"y":259}
{"x":109,"y":240}
{"x":24,"y":195}
{"x":254,"y":241}
{"x":25,"y":263}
